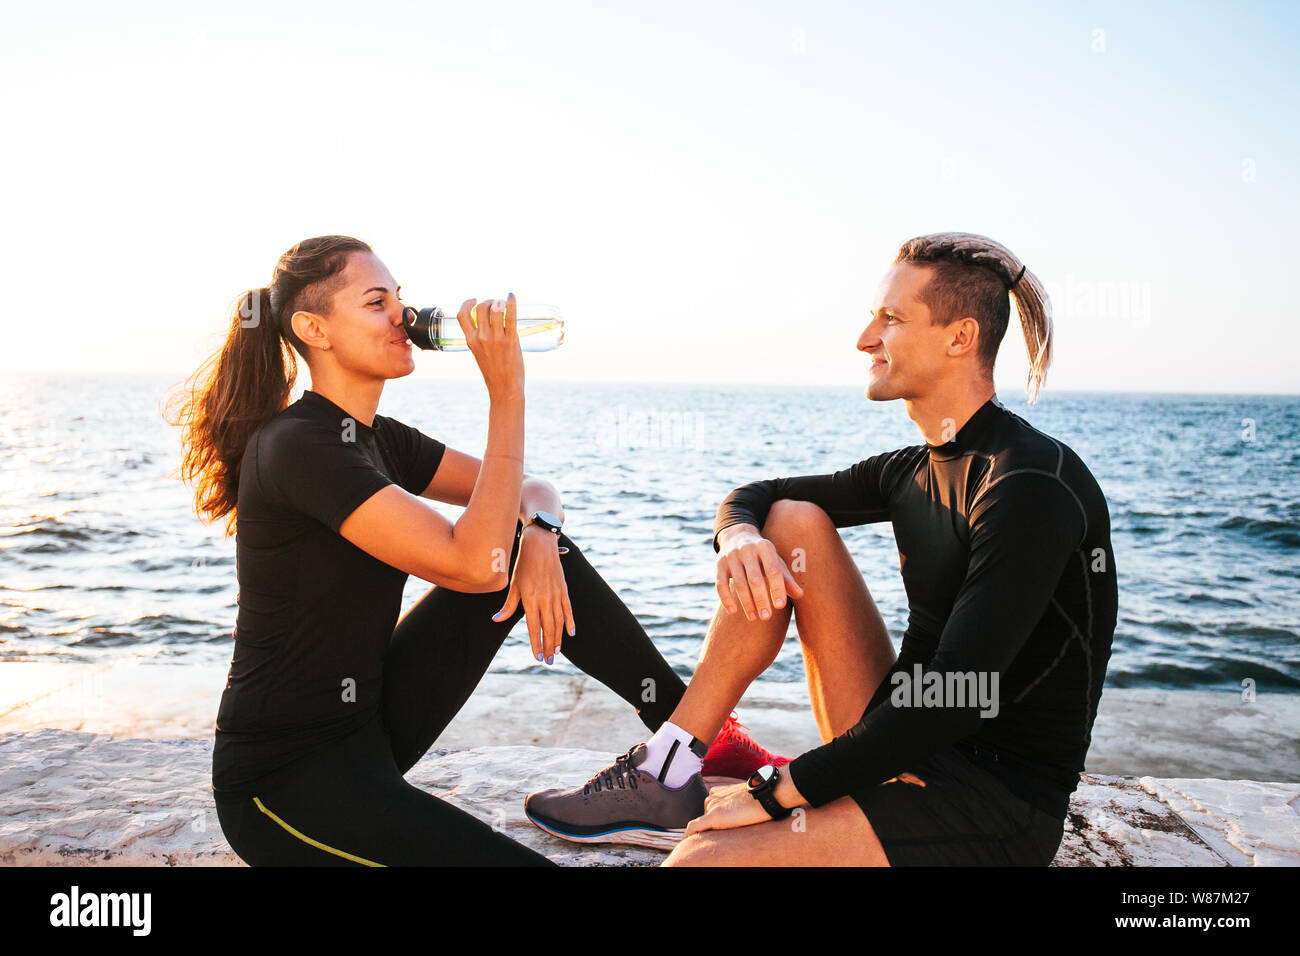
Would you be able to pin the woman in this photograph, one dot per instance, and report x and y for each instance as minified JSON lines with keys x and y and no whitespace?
{"x":330,"y":699}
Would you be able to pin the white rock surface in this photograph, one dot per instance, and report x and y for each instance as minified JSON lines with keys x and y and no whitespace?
{"x":75,"y":798}
{"x":110,"y":763}
{"x":1247,"y":822}
{"x":1113,"y":821}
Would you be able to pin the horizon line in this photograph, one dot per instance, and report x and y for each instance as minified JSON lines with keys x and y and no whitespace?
{"x":179,"y":377}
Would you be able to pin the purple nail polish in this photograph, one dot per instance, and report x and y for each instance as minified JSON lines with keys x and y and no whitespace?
{"x":539,"y":657}
{"x":551,"y":659}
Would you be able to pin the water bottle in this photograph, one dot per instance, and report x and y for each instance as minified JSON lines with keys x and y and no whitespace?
{"x":540,"y":328}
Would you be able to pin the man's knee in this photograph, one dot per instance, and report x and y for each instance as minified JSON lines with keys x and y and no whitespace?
{"x":803,"y":534}
{"x":789,"y":519}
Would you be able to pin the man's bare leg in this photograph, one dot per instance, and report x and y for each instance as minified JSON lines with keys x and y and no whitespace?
{"x":846,"y":651}
{"x":837,"y":834}
{"x":845,"y":642}
{"x":846,"y":647}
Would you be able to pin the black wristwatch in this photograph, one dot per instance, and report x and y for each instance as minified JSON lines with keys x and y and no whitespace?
{"x":545,"y":520}
{"x":762,"y":786}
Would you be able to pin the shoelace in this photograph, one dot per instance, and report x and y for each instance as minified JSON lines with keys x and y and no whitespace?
{"x":730,"y":732}
{"x":621,"y":773}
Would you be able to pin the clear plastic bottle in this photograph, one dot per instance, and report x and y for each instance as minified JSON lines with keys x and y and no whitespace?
{"x":541,"y":328}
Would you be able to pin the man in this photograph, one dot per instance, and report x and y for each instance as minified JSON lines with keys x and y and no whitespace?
{"x":965,"y":749}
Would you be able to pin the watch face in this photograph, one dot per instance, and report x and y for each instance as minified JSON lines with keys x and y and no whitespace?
{"x":761,"y":776}
{"x":547,"y":520}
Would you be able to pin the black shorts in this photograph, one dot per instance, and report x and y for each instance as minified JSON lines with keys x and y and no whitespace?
{"x":962,"y":816}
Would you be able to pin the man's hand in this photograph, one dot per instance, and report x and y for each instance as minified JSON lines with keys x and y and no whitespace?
{"x":538,"y":582}
{"x":728,"y":807}
{"x":732,"y":806}
{"x":751,"y":573}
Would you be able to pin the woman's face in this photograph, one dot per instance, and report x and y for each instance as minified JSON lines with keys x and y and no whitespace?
{"x":364,"y":330}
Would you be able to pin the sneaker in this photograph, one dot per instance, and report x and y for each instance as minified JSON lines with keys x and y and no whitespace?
{"x":621,"y":804}
{"x":735,"y":755}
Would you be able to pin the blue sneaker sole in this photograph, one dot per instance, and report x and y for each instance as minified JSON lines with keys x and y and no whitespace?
{"x":634,"y":836}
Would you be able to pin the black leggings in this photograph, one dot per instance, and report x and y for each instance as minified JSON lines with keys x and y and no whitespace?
{"x":347,"y":803}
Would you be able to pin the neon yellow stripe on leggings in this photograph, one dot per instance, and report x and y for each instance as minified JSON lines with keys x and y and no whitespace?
{"x":316,"y":843}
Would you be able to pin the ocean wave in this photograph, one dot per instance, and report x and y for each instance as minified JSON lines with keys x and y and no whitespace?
{"x":1172,"y":515}
{"x":1161,"y":625}
{"x":150,"y":629}
{"x":1121,"y":525}
{"x":153,"y":565}
{"x":1207,"y":673}
{"x":167,"y":622}
{"x":1211,"y":600}
{"x":1260,"y":631}
{"x":52,"y":536}
{"x":50,"y":527}
{"x":1286,"y":533}
{"x":106,"y":637}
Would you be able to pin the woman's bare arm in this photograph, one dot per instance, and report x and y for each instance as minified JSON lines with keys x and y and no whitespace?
{"x":471,"y":554}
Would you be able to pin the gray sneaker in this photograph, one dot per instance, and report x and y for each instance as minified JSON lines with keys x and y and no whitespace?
{"x":621,"y":804}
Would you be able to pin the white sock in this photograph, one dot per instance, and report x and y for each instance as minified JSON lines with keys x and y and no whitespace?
{"x":684,"y":764}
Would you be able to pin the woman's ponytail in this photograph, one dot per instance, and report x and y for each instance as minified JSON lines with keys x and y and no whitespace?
{"x":247,"y":382}
{"x":237,"y":389}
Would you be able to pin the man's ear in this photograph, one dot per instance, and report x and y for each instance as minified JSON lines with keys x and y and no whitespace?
{"x":309,"y":329}
{"x":964,"y":337}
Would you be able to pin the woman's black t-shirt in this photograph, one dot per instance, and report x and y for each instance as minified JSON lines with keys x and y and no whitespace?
{"x":315,"y":611}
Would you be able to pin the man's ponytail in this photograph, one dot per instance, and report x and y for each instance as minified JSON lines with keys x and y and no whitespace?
{"x":247,"y":382}
{"x":973,"y":276}
{"x":1035,"y":311}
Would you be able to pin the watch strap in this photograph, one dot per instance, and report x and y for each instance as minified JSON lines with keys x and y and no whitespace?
{"x":765,"y":795}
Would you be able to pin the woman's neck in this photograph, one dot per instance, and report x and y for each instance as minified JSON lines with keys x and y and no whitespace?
{"x":358,"y":397}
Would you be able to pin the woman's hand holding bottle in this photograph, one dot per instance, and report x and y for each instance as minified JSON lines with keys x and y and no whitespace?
{"x":493,"y":338}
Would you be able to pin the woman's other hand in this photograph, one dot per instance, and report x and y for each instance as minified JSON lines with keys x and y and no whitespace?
{"x":538,"y":583}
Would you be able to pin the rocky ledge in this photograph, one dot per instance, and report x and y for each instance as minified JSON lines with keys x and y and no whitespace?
{"x":74,"y":798}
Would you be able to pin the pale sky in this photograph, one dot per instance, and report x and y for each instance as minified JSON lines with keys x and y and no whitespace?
{"x":708,"y":191}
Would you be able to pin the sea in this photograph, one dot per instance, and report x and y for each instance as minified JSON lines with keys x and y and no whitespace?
{"x":102,"y":556}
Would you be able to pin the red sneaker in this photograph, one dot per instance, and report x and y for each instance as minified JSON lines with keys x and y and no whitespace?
{"x":735,"y":754}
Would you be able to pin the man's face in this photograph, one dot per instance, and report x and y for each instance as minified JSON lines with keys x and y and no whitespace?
{"x":907,"y":351}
